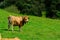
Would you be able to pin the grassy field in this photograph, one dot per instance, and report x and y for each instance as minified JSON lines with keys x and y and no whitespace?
{"x":37,"y":28}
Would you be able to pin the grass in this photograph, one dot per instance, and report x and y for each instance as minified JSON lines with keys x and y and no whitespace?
{"x":12,"y":8}
{"x":37,"y":28}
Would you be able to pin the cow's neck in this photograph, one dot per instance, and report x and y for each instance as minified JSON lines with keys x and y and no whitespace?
{"x":23,"y":22}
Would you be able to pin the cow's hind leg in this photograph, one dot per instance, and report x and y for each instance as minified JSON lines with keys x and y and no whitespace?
{"x":12,"y":28}
{"x":9,"y":26}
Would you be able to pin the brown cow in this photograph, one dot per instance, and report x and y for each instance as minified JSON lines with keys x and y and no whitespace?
{"x":17,"y":21}
{"x":16,"y":38}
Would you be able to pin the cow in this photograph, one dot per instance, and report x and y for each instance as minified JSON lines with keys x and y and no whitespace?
{"x":17,"y":21}
{"x":16,"y":38}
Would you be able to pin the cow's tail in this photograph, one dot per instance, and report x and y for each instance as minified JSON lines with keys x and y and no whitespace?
{"x":9,"y":19}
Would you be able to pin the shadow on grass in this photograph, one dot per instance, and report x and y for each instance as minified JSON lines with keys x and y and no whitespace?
{"x":2,"y":29}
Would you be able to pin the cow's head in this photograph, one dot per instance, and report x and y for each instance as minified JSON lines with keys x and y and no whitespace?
{"x":26,"y":19}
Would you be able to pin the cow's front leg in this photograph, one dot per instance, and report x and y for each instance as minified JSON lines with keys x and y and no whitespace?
{"x":20,"y":28}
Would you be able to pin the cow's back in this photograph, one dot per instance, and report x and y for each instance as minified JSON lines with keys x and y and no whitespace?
{"x":15,"y":20}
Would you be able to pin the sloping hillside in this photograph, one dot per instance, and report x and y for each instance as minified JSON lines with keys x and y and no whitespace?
{"x":37,"y":28}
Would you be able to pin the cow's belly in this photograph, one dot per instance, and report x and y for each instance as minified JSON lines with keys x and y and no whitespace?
{"x":16,"y":24}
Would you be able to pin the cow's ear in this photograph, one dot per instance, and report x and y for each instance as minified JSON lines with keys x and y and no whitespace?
{"x":23,"y":17}
{"x":28,"y":18}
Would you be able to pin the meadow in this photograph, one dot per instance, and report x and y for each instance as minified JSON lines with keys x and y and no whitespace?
{"x":38,"y":28}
